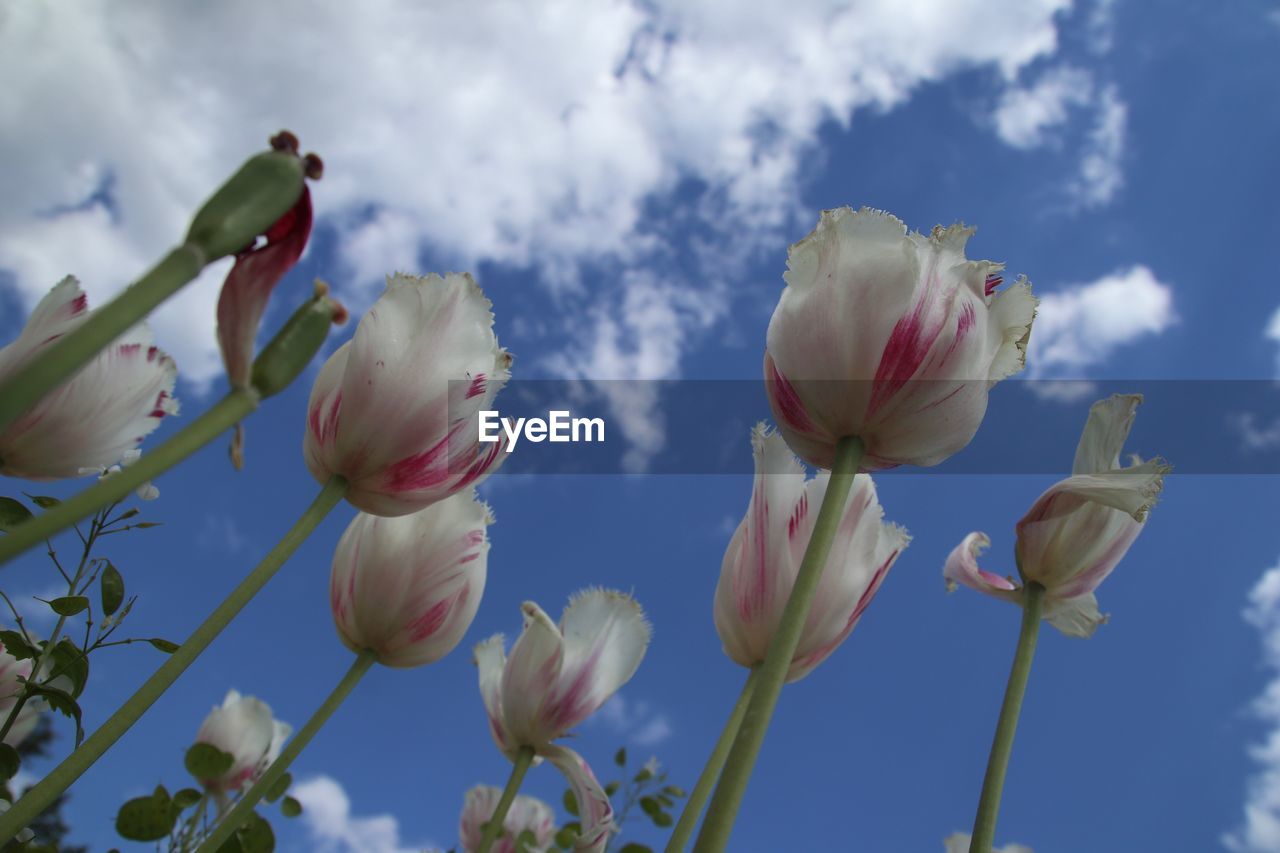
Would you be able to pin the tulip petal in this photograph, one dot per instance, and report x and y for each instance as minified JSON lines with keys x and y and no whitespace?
{"x":1009,"y":327}
{"x":1105,"y":433}
{"x":962,"y":568}
{"x":1075,"y":617}
{"x":491,"y":660}
{"x":243,"y":727}
{"x":1131,"y":490}
{"x":594,"y":809}
{"x":530,"y":677}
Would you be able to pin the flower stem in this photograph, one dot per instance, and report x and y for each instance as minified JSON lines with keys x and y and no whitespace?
{"x":493,"y":827}
{"x":39,"y":797}
{"x":225,"y":414}
{"x":711,"y":772}
{"x":984,"y":824}
{"x":772,"y":673}
{"x":23,"y":389}
{"x":244,"y":806}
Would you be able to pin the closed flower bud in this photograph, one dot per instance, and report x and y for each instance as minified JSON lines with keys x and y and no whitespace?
{"x":94,"y":419}
{"x":527,"y":814}
{"x":763,"y":558}
{"x":244,"y":728}
{"x":408,"y":587}
{"x":395,"y":411}
{"x":892,"y":337}
{"x":1077,"y":532}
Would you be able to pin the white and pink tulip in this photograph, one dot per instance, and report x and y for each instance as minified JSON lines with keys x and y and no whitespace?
{"x":11,"y":670}
{"x":244,"y":728}
{"x":890,"y":336}
{"x":527,"y":814}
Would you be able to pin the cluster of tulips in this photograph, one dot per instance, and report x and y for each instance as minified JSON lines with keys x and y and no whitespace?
{"x":881,"y":352}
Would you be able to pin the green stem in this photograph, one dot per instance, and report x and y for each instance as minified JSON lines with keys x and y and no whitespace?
{"x":229,"y":411}
{"x":38,"y":798}
{"x":73,"y":351}
{"x":711,"y":772}
{"x":493,"y":827}
{"x":772,"y":673}
{"x":984,"y":823}
{"x":244,"y":806}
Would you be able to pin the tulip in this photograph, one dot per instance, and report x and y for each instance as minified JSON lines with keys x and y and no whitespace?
{"x":11,"y":670}
{"x":527,"y":814}
{"x":1076,"y":533}
{"x":763,"y":557}
{"x":891,"y":337}
{"x":958,"y":842}
{"x":102,"y":412}
{"x":384,"y":413}
{"x":407,"y":588}
{"x":244,"y":728}
{"x":556,"y":677}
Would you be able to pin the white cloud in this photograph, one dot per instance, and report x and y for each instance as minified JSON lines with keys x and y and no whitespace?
{"x":332,"y":827}
{"x":1255,"y":435}
{"x":1272,"y":334}
{"x":1260,"y":831}
{"x":638,"y":722}
{"x":1083,"y":325}
{"x":1101,"y":168}
{"x":1024,"y":115}
{"x":221,"y":533}
{"x":519,"y":133}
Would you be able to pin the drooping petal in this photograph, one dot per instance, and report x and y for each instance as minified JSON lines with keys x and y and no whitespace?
{"x":962,"y":568}
{"x":594,"y":809}
{"x":1105,"y":433}
{"x":1075,"y":617}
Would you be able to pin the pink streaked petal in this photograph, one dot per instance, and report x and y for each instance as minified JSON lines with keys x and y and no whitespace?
{"x":962,"y":568}
{"x":594,"y":808}
{"x":787,"y":404}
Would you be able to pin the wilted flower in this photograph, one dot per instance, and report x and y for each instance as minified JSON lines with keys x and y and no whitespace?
{"x":556,"y":677}
{"x":763,"y":558}
{"x":892,"y":337}
{"x":103,"y":411}
{"x":1077,"y":532}
{"x":527,"y":814}
{"x":407,"y":588}
{"x":11,"y":670}
{"x":958,"y":842}
{"x":395,"y":411}
{"x":244,"y":728}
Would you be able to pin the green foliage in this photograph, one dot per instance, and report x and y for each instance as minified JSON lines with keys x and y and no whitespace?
{"x":69,"y":605}
{"x":570,"y":803}
{"x":206,"y":761}
{"x":12,"y":513}
{"x":632,"y":847}
{"x":112,"y":588}
{"x":10,"y":761}
{"x":148,"y":818}
{"x":254,"y":836}
{"x":279,"y":788}
{"x":43,"y":501}
{"x":62,"y":702}
{"x":186,"y":798}
{"x":290,"y":807}
{"x":163,"y":645}
{"x":620,"y":757}
{"x":17,"y":646}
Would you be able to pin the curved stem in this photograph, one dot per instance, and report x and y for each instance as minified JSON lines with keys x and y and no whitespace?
{"x":772,"y":674}
{"x":244,"y":806}
{"x":39,"y":797}
{"x":493,"y":827}
{"x":984,"y":823}
{"x":74,"y":350}
{"x":711,"y":772}
{"x":229,"y":411}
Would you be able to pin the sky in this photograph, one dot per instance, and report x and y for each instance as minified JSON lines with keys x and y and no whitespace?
{"x":624,"y":178}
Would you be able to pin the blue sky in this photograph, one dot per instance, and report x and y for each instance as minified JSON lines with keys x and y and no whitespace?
{"x":624,"y":180}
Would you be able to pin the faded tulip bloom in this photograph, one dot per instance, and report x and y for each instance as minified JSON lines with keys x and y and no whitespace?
{"x":243,"y":727}
{"x":11,"y":670}
{"x":408,"y":587}
{"x":527,"y":814}
{"x":890,"y":336}
{"x":395,"y":411}
{"x":1076,"y":533}
{"x":556,"y":677}
{"x":764,"y":554}
{"x":96,"y":417}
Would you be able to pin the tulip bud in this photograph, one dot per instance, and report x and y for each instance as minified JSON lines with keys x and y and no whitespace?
{"x":94,"y":419}
{"x":408,"y":587}
{"x":527,"y":814}
{"x":1077,"y":531}
{"x":395,"y":411}
{"x":891,"y":337}
{"x":244,"y":728}
{"x":763,"y":559}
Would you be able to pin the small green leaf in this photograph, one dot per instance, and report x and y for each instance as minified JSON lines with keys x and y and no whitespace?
{"x":255,"y":835}
{"x":164,"y":645}
{"x":130,"y":513}
{"x":10,"y":761}
{"x":290,"y":807}
{"x":651,"y":806}
{"x":620,"y":757}
{"x":570,"y":803}
{"x":16,"y":645}
{"x":206,"y":761}
{"x":632,"y":847}
{"x":112,"y":590}
{"x":144,"y":525}
{"x":644,"y":775}
{"x":662,"y":819}
{"x":186,"y":798}
{"x":279,"y":788}
{"x":68,"y":661}
{"x":69,"y":605}
{"x":675,"y":791}
{"x":62,"y":702}
{"x":611,"y":788}
{"x":43,"y":501}
{"x":567,"y":835}
{"x":12,"y":514}
{"x":526,"y":841}
{"x":146,"y":818}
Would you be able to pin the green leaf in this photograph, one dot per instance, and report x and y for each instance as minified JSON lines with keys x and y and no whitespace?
{"x":632,"y":847}
{"x":675,"y":791}
{"x":567,"y":835}
{"x":62,"y":702}
{"x":144,"y":525}
{"x":43,"y":501}
{"x":611,"y":788}
{"x":69,"y":605}
{"x":206,"y":761}
{"x":16,"y":645}
{"x":186,"y":798}
{"x":68,"y":661}
{"x":620,"y":757}
{"x":164,"y":645}
{"x":570,"y":803}
{"x":662,"y":819}
{"x":10,"y":761}
{"x":651,"y":806}
{"x":526,"y":841}
{"x":146,"y":818}
{"x":279,"y":788}
{"x":290,"y":807}
{"x":112,"y":585}
{"x":255,"y":836}
{"x":12,"y":514}
{"x":644,"y":775}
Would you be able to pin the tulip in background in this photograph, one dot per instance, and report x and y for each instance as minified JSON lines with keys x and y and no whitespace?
{"x":890,"y":336}
{"x":395,"y":411}
{"x":555,"y":678}
{"x":94,"y":419}
{"x":244,"y":728}
{"x":526,"y":815}
{"x":958,"y":842}
{"x":11,"y":670}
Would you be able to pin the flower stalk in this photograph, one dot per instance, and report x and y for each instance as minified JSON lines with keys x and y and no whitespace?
{"x":493,"y":829}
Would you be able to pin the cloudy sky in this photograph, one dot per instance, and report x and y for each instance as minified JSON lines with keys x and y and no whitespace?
{"x":624,"y":179}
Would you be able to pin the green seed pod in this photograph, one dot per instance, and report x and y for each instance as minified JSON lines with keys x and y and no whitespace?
{"x":293,"y":347}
